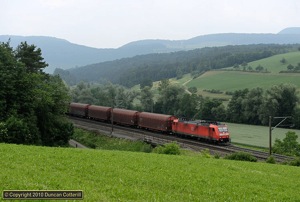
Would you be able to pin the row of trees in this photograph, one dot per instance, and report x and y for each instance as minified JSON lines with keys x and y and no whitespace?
{"x":256,"y":105}
{"x":32,"y":103}
{"x":246,"y":106}
{"x":245,"y":67}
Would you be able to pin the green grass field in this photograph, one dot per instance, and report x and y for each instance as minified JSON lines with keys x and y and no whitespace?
{"x":273,"y":63}
{"x":256,"y":135}
{"x":235,"y":80}
{"x":131,"y":176}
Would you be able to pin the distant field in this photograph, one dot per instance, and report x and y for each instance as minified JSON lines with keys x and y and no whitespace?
{"x":235,"y":80}
{"x":256,"y":135}
{"x":273,"y":63}
{"x":131,"y":176}
{"x":238,"y":80}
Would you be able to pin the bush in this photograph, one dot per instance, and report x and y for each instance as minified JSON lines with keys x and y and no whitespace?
{"x":17,"y":131}
{"x":271,"y":160}
{"x":169,"y":148}
{"x":295,"y":162}
{"x":288,"y":146}
{"x":217,"y":156}
{"x":241,"y":156}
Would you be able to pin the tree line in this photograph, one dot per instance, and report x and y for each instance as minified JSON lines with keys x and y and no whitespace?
{"x":32,"y":103}
{"x":248,"y":106}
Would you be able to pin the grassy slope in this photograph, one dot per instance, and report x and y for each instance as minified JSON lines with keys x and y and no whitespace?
{"x":231,"y":81}
{"x":235,"y":80}
{"x":273,"y":63}
{"x":128,"y":176}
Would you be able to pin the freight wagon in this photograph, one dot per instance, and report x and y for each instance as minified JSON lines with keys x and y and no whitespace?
{"x":153,"y":121}
{"x":99,"y":113}
{"x":78,"y":109}
{"x":125,"y":117}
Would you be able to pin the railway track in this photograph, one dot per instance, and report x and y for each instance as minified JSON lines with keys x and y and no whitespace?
{"x":159,"y":139}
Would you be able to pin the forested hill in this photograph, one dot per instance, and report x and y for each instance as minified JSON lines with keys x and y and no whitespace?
{"x":154,"y":67}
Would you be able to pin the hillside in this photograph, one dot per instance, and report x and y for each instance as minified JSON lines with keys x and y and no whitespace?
{"x":237,"y":80}
{"x":129,"y":176}
{"x":132,"y":71}
{"x":290,"y":30}
{"x":60,"y":53}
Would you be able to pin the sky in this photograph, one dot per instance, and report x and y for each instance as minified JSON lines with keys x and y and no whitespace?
{"x":114,"y":23}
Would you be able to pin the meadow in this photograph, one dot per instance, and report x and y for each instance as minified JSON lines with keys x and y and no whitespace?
{"x":238,"y":80}
{"x":256,"y":135}
{"x":132,"y":176}
{"x":273,"y":63}
{"x":229,"y":81}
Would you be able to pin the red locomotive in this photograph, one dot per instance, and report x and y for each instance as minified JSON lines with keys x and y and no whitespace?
{"x":211,"y":131}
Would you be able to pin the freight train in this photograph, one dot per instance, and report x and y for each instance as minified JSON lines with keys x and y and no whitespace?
{"x":169,"y":124}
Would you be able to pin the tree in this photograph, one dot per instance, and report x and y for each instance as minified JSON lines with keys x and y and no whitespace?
{"x":163,"y":84}
{"x":211,"y":109}
{"x":251,"y":106}
{"x":297,"y":68}
{"x":259,"y":68}
{"x":146,"y":99}
{"x":9,"y":72}
{"x":193,"y":89}
{"x":169,"y":99}
{"x":283,"y":61}
{"x":288,"y":146}
{"x":31,"y":57}
{"x":188,"y":105}
{"x":124,"y":99}
{"x":296,"y":118}
{"x":146,"y":82}
{"x":280,"y":100}
{"x":179,"y":73}
{"x":290,"y":67}
{"x":32,"y":103}
{"x":235,"y":110}
{"x":49,"y":109}
{"x":219,"y":112}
